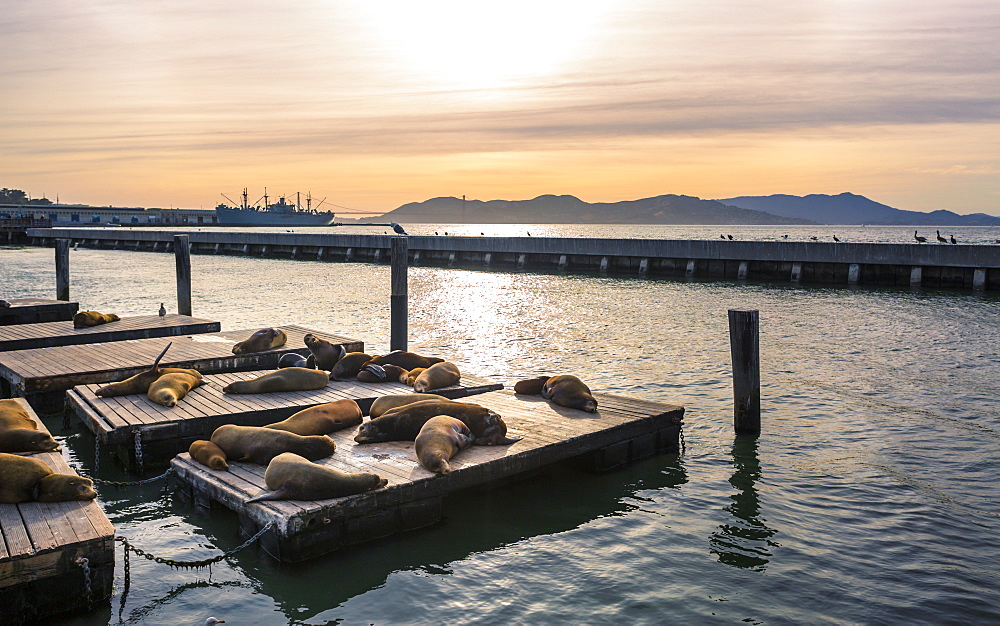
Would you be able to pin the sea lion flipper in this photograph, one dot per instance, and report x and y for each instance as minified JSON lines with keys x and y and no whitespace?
{"x":506,"y":441}
{"x":266,"y":494}
{"x":156,"y":363}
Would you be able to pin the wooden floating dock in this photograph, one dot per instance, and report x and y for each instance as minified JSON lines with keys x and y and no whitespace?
{"x":42,"y":545}
{"x":167,"y":431}
{"x":622,"y":431}
{"x":52,"y":334}
{"x":36,"y":310}
{"x":37,"y":373}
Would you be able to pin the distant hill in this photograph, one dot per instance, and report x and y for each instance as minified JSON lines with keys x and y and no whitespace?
{"x":849,"y":208}
{"x":549,"y":209}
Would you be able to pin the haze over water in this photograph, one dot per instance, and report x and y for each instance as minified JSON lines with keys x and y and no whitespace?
{"x":870,"y":497}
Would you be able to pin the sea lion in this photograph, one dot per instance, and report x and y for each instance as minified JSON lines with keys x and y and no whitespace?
{"x":208,"y":454}
{"x":27,"y":479}
{"x":326,"y":354}
{"x":140,"y":382}
{"x":322,"y":419}
{"x":19,"y":433}
{"x":441,"y":438}
{"x":532,"y":386}
{"x":385,"y":403}
{"x":4,"y":304}
{"x":444,"y":374}
{"x":169,"y":389}
{"x":85,"y":319}
{"x":291,"y":477}
{"x":349,"y":366}
{"x":263,"y":339}
{"x":13,"y":415}
{"x":410,"y":376}
{"x":405,"y":360}
{"x":285,"y":379}
{"x":372,"y":373}
{"x":404,"y":423}
{"x":569,"y":391}
{"x":293,"y":359}
{"x":257,"y":444}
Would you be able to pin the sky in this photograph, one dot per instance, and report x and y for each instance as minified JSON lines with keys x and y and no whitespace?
{"x":370,"y":104}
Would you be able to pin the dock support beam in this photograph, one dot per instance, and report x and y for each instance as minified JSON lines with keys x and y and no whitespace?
{"x":853,"y":274}
{"x":62,"y":269}
{"x":451,"y":259}
{"x":563,"y":262}
{"x":487,"y":258}
{"x":744,"y":343}
{"x":916,"y":276}
{"x":644,"y":266}
{"x":521,"y":260}
{"x":979,"y":279}
{"x":604,"y":265}
{"x":796,"y":272}
{"x":182,"y":256}
{"x":741,"y":272}
{"x":689,"y":272}
{"x":397,"y":299}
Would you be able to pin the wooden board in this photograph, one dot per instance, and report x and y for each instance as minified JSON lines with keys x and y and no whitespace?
{"x":51,"y":334}
{"x":58,"y":369}
{"x":623,"y":430}
{"x":35,"y":310}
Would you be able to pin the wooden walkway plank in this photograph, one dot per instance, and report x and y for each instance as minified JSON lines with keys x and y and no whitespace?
{"x":51,"y":334}
{"x":37,"y":310}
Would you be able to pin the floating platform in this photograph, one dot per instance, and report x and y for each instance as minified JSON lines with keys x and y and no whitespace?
{"x":43,"y":374}
{"x":166,"y":431}
{"x":52,"y":334}
{"x":54,"y":556}
{"x":623,"y":430}
{"x":36,"y":310}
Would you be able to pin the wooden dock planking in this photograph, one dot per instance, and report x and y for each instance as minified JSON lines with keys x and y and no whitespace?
{"x":622,"y":431}
{"x":40,"y":547}
{"x":167,"y":431}
{"x":51,"y":334}
{"x":39,"y":370}
{"x":37,"y":310}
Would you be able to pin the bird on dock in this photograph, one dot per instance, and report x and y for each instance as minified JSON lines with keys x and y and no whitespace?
{"x":919,"y":239}
{"x":814,"y":238}
{"x":953,"y":238}
{"x":940,"y":238}
{"x":163,"y":310}
{"x":529,"y":234}
{"x":835,"y":239}
{"x":730,"y":237}
{"x":435,"y":232}
{"x":76,"y":246}
{"x":482,"y":234}
{"x":396,"y":227}
{"x":722,"y":236}
{"x":784,"y":236}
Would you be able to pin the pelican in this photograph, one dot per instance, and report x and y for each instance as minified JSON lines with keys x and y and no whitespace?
{"x":940,"y":238}
{"x":953,"y":238}
{"x":919,"y":239}
{"x":396,"y":227}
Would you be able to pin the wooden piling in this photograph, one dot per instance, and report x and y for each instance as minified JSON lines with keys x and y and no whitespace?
{"x":397,"y":299}
{"x":62,"y":270}
{"x":182,"y":255}
{"x":744,"y":344}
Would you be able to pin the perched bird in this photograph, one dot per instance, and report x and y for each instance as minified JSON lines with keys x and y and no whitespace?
{"x":953,"y":238}
{"x":814,"y":238}
{"x":835,"y":238}
{"x":435,"y":232}
{"x":722,"y":236}
{"x":730,"y":237}
{"x":445,"y":233}
{"x":784,"y":236}
{"x":76,"y":246}
{"x":163,"y":310}
{"x":396,"y":227}
{"x":940,"y":238}
{"x":919,"y":239}
{"x":529,"y":234}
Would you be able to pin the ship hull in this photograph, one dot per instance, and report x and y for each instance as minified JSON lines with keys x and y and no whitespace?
{"x":240,"y":217}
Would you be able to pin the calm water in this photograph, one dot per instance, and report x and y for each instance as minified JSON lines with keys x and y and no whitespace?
{"x":872,"y":495}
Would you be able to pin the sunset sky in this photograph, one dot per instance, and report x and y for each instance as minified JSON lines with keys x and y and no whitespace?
{"x":375,"y":103}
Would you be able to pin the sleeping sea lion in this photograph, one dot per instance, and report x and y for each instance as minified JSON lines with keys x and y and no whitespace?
{"x":532,"y":386}
{"x":85,"y":319}
{"x":291,"y":477}
{"x":208,"y":454}
{"x":404,"y":423}
{"x":27,"y":479}
{"x":405,"y":360}
{"x":324,"y":353}
{"x":410,"y":376}
{"x":569,"y":391}
{"x":349,"y":366}
{"x":444,"y":374}
{"x":372,"y":373}
{"x":140,"y":382}
{"x":257,"y":444}
{"x":263,"y":339}
{"x":13,"y":415}
{"x":19,"y":433}
{"x":293,"y":359}
{"x":169,"y":389}
{"x":285,"y":379}
{"x":322,"y":419}
{"x":384,"y":403}
{"x":441,"y":438}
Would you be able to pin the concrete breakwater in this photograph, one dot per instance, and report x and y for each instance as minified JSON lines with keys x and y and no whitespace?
{"x":929,"y":265}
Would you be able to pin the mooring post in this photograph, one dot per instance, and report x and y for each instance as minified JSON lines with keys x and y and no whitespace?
{"x":744,"y":343}
{"x":62,"y":269}
{"x":397,"y":299}
{"x":182,"y":254}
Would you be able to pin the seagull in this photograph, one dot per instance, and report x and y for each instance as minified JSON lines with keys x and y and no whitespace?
{"x":940,"y":238}
{"x":919,"y":239}
{"x":396,"y":227}
{"x":212,"y":621}
{"x":953,"y":238}
{"x":163,"y":310}
{"x":835,"y":238}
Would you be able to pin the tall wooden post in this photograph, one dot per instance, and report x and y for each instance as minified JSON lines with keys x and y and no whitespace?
{"x":62,"y":269}
{"x":744,"y":343}
{"x":397,"y":299}
{"x":182,"y":254}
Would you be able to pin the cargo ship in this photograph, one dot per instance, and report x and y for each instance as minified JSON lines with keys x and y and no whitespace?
{"x":280,"y":213}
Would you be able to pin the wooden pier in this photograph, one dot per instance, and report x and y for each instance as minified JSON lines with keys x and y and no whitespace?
{"x":43,"y":374}
{"x":36,"y":310}
{"x":622,"y":431}
{"x":54,"y":556}
{"x":52,"y":334}
{"x":164,"y":431}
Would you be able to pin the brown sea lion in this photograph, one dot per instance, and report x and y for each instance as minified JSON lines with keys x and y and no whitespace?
{"x":257,"y":444}
{"x":322,"y":419}
{"x":291,"y":477}
{"x":349,"y":366}
{"x":324,"y":353}
{"x":263,"y":339}
{"x":13,"y":415}
{"x":441,"y":438}
{"x":444,"y":374}
{"x":411,"y":375}
{"x":404,"y":423}
{"x":208,"y":454}
{"x":86,"y":319}
{"x":170,"y":389}
{"x":293,"y":359}
{"x":27,"y":479}
{"x":285,"y":379}
{"x":405,"y":360}
{"x":385,"y":403}
{"x":372,"y":373}
{"x":19,"y":433}
{"x":532,"y":386}
{"x":569,"y":391}
{"x":140,"y":382}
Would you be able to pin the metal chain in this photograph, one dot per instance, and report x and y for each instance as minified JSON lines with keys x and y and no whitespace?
{"x":125,"y":483}
{"x":138,"y":450}
{"x":84,"y":562}
{"x":128,"y":581}
{"x":202,"y":562}
{"x":680,"y":430}
{"x":97,"y":454}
